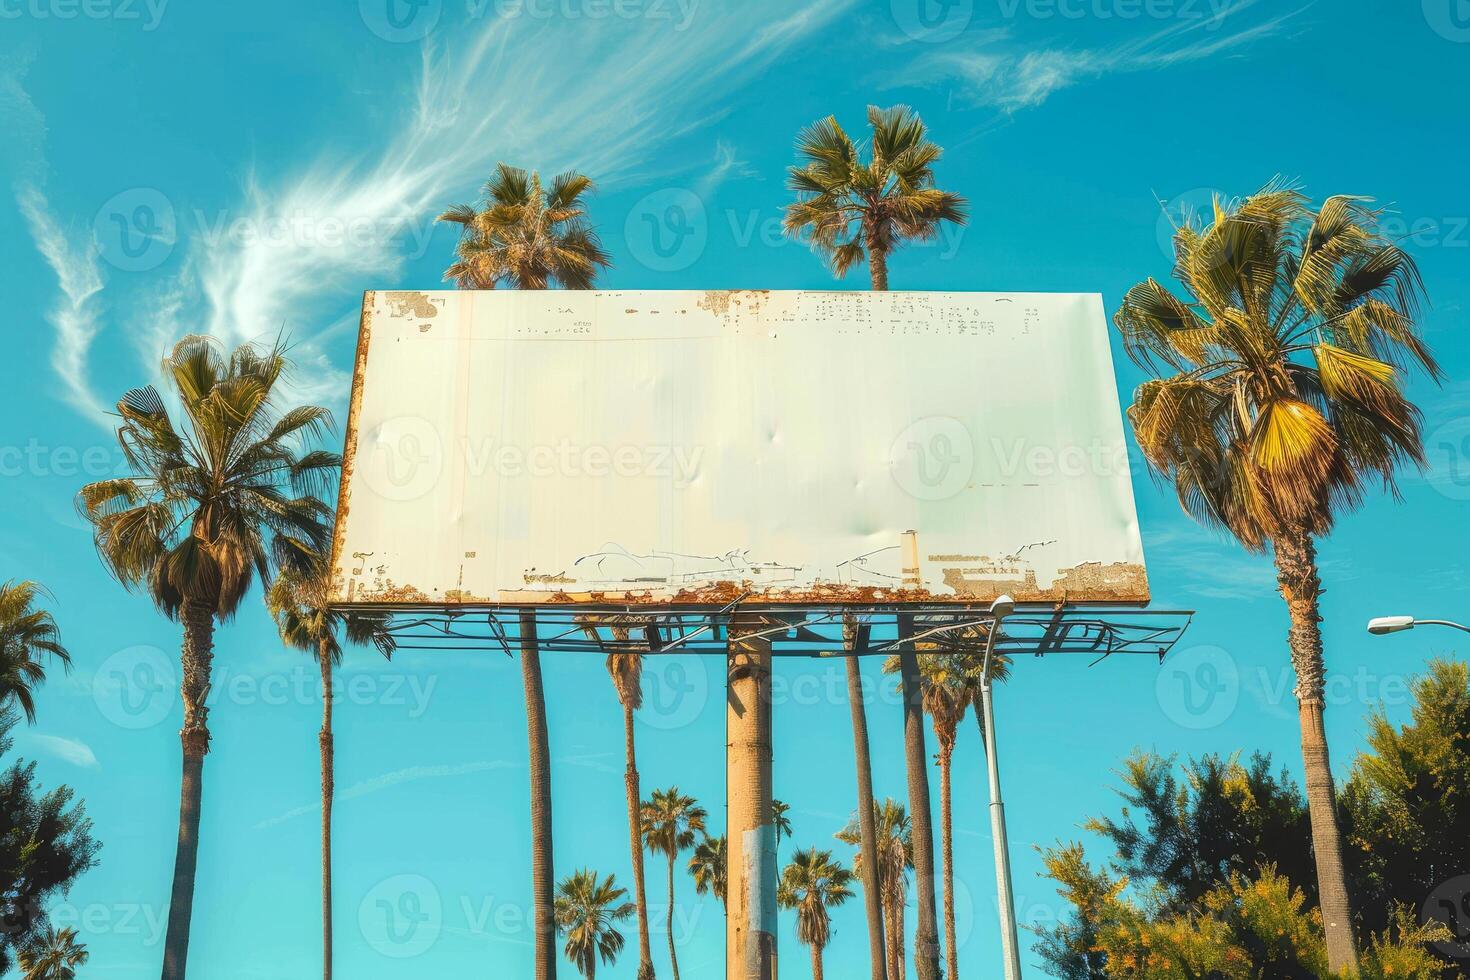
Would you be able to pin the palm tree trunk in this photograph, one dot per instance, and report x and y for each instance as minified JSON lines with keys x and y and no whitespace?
{"x":867,"y":823}
{"x":926,"y":937}
{"x":1296,"y":573}
{"x":542,"y":859}
{"x":878,"y":269}
{"x":900,"y":938}
{"x":816,"y":962}
{"x":673,"y":957}
{"x":1301,"y":586}
{"x":951,"y":952}
{"x":196,"y":660}
{"x":328,"y":787}
{"x":635,"y":839}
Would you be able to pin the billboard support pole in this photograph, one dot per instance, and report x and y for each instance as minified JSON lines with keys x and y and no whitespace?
{"x":750,"y":923}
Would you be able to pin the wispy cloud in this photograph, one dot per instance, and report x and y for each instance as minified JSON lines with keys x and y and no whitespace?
{"x":387,"y":781}
{"x":993,"y":68}
{"x":75,"y":315}
{"x":72,"y":750}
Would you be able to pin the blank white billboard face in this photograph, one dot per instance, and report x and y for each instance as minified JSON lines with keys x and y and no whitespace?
{"x":695,"y":447}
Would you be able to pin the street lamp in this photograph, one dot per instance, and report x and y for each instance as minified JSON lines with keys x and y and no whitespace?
{"x":1384,"y":625}
{"x":1010,"y":944}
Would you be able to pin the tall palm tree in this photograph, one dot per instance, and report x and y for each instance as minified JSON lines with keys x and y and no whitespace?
{"x":54,"y":954}
{"x":894,"y":835}
{"x":670,"y":823}
{"x":855,"y":208}
{"x":855,"y":641}
{"x":587,"y":911}
{"x":709,"y":868}
{"x":945,"y":701}
{"x":1281,"y":403}
{"x":212,"y":506}
{"x":538,"y":755}
{"x":526,"y":237}
{"x":811,"y":884}
{"x":26,"y":635}
{"x":299,"y":603}
{"x":625,"y":666}
{"x":780,"y":821}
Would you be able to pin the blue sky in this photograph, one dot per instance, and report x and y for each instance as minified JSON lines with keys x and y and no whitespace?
{"x":174,"y":166}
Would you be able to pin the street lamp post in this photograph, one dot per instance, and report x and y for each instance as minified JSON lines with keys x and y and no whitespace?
{"x":1010,"y":944}
{"x":1384,"y":625}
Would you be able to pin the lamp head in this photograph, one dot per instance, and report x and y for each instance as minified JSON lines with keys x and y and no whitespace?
{"x":1002,"y":607}
{"x":1390,"y":624}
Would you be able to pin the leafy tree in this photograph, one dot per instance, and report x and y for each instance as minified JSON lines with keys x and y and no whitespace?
{"x":46,"y":843}
{"x":54,"y":954}
{"x":856,"y":209}
{"x":811,"y":884}
{"x":709,"y":868}
{"x":1281,"y":404}
{"x":225,"y":499}
{"x":587,"y":912}
{"x":26,"y":635}
{"x":525,"y":237}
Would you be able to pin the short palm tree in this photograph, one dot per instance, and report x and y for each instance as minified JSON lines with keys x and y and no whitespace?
{"x":625,"y":666}
{"x":1280,"y":404}
{"x":26,"y":635}
{"x":525,"y":237}
{"x":854,"y":208}
{"x":587,"y":913}
{"x":227,"y":498}
{"x":780,"y":821}
{"x":671,"y":822}
{"x":299,"y":602}
{"x":811,"y":884}
{"x":894,"y":835}
{"x":54,"y":954}
{"x":708,"y":867}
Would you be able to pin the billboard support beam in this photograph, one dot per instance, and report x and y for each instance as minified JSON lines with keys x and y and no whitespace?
{"x":750,"y":923}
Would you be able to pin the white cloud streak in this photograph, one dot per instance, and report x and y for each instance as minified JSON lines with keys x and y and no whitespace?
{"x":387,"y":781}
{"x":72,"y":750}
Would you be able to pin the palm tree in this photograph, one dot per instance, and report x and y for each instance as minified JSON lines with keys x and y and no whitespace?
{"x":945,"y":700}
{"x":894,"y":836}
{"x":54,"y":954}
{"x":670,"y":823}
{"x":538,"y":755}
{"x":812,"y":883}
{"x":26,"y":634}
{"x":586,"y":913}
{"x":855,"y":208}
{"x":527,"y":238}
{"x":1281,"y":402}
{"x":625,"y":666}
{"x":299,"y":603}
{"x":228,"y":498}
{"x":709,"y":868}
{"x":780,"y":821}
{"x":855,"y":640}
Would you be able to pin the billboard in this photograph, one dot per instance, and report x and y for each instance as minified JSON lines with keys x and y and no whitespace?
{"x":678,"y":448}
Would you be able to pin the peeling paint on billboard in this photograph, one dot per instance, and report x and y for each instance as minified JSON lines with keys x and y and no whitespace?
{"x":698,"y":447}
